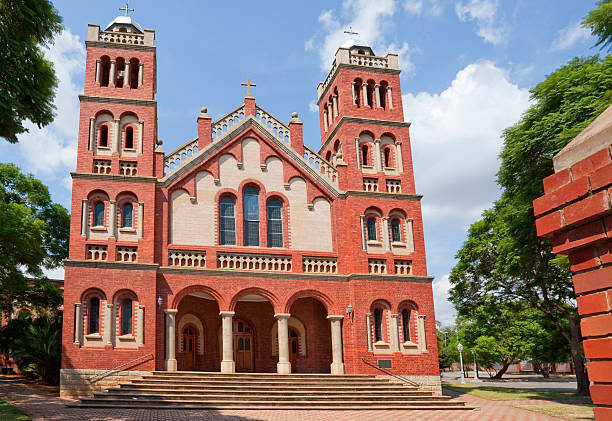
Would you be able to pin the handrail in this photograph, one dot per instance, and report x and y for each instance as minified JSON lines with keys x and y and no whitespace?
{"x":386,"y":371}
{"x":101,"y":375}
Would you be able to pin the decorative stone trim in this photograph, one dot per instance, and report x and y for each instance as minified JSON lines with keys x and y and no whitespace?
{"x":403,"y":267}
{"x":255,"y":262}
{"x":101,"y":166}
{"x":394,"y":186}
{"x":360,"y":120}
{"x":112,"y":177}
{"x":98,"y":253}
{"x":377,"y":265}
{"x":128,"y":168}
{"x":113,"y":100}
{"x":127,"y":254}
{"x":320,"y":264}
{"x":370,"y":184}
{"x":187,"y":259}
{"x":111,"y":265}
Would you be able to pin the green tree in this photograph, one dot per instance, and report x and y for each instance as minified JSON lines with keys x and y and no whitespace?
{"x":503,"y":259}
{"x":27,"y":79}
{"x":34,"y":234}
{"x":599,"y":21}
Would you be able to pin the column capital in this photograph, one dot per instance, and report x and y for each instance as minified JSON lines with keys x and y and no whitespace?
{"x":335,"y":317}
{"x":376,"y":140}
{"x":171,"y":311}
{"x":282,"y":316}
{"x":110,"y":305}
{"x":112,"y":202}
{"x":79,"y":304}
{"x":385,"y":218}
{"x":377,"y":85}
{"x":388,"y":88}
{"x":226,"y":313}
{"x":398,"y":142}
{"x":140,"y":306}
{"x":421,"y":316}
{"x":395,"y":316}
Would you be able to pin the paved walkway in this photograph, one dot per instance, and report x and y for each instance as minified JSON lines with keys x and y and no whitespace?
{"x":520,"y":381}
{"x":42,"y":405}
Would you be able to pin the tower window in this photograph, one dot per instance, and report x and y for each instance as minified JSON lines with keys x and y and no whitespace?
{"x":129,"y":138}
{"x":275,"y":223}
{"x":134,"y":70}
{"x":387,"y":153}
{"x":365,"y":155}
{"x":99,"y":214}
{"x":94,"y":315}
{"x":371,"y":223}
{"x":251,"y":216}
{"x":119,"y":73}
{"x":126,"y":317}
{"x":104,"y":136}
{"x":227,"y":221}
{"x":378,"y":313}
{"x":126,"y":216}
{"x":406,"y":324}
{"x":104,"y":71}
{"x":396,"y":234}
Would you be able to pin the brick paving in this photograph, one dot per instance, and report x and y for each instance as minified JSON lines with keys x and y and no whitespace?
{"x":44,"y":405}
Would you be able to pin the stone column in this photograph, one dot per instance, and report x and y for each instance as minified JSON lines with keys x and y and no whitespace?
{"x":358,"y":153}
{"x":354,"y":91}
{"x":109,"y":324}
{"x":78,"y":323}
{"x":140,"y":76}
{"x":141,"y":324}
{"x":116,"y":137}
{"x":377,"y":152}
{"x":227,"y":363}
{"x":421,"y":328}
{"x":409,"y":235}
{"x":363,"y":238}
{"x":335,"y":102}
{"x":111,"y":76}
{"x":140,"y":135}
{"x":283,"y":366}
{"x":337,"y":366}
{"x":84,"y":217}
{"x":325,"y":119}
{"x":398,"y":156}
{"x":395,"y":339}
{"x":126,"y":75}
{"x":97,"y":71}
{"x":369,"y":329}
{"x":112,"y":218}
{"x":377,"y":91}
{"x":385,"y":233}
{"x":364,"y":88}
{"x":389,"y":98}
{"x":170,"y":339}
{"x":92,"y":133}
{"x":330,"y":114}
{"x":140,"y":218}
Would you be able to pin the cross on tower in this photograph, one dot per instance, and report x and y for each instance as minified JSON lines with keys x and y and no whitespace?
{"x":248,"y":84}
{"x":126,"y":8}
{"x":350,"y":31}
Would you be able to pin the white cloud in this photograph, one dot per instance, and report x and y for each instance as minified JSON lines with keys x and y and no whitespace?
{"x":569,"y":36}
{"x":484,"y":12}
{"x":414,"y":7}
{"x":404,"y":52}
{"x":445,"y":310}
{"x":58,"y":140}
{"x":313,"y":107}
{"x":417,"y":7}
{"x":455,"y":138}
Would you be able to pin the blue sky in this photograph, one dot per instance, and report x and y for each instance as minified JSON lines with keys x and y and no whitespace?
{"x":467,"y":68}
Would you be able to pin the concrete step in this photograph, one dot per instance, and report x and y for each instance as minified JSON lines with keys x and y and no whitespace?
{"x":267,"y":387}
{"x":130,"y":389}
{"x":201,"y":382}
{"x":258,"y":396}
{"x":264,"y":375}
{"x":278,"y":379}
{"x":251,"y":406}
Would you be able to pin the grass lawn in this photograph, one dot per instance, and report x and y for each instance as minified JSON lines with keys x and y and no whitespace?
{"x":8,"y":412}
{"x":565,"y":405}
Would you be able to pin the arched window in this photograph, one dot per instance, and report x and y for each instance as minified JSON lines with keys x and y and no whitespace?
{"x":104,"y":136}
{"x":378,"y":317}
{"x":275,"y":223}
{"x":134,"y":70}
{"x":371,"y":223}
{"x":364,"y":155}
{"x":382,"y":91}
{"x":126,"y":216}
{"x":119,"y":72}
{"x":251,"y":216}
{"x":104,"y":71}
{"x":227,"y":221}
{"x":129,"y":138}
{"x":396,"y":233}
{"x":126,"y":317}
{"x":406,"y":324}
{"x":99,"y":214}
{"x":94,"y":315}
{"x":357,"y":92}
{"x":388,"y":162}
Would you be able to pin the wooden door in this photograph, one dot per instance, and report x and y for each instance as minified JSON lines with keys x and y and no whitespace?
{"x":293,"y":348}
{"x":189,"y":338}
{"x":243,"y":347}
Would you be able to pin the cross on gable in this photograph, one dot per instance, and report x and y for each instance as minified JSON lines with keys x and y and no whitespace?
{"x":126,"y":8}
{"x":248,"y":84}
{"x":350,"y":31}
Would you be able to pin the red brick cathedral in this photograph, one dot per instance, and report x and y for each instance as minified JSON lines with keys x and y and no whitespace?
{"x":244,"y":250}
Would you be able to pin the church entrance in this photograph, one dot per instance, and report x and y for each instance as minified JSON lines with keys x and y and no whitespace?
{"x":243,"y":346}
{"x":293,"y":348}
{"x":189,"y":338}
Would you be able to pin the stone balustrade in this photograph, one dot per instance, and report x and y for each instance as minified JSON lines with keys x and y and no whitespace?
{"x":377,"y":266}
{"x":278,"y":129}
{"x":129,"y":38}
{"x":127,"y":254}
{"x":99,"y":253}
{"x":320,"y":264}
{"x":180,"y":157}
{"x":255,"y":262}
{"x":394,"y":186}
{"x":101,"y":166}
{"x":370,"y":184}
{"x":128,"y":168}
{"x":369,"y":61}
{"x":187,"y":259}
{"x":227,"y":122}
{"x":320,"y":165}
{"x":403,"y":267}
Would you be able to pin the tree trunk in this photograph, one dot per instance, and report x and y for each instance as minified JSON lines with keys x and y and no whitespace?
{"x":502,"y":371}
{"x":582,"y":378}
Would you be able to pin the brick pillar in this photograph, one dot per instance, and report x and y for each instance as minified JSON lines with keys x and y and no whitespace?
{"x":576,"y":213}
{"x":249,"y":106}
{"x":204,"y":129}
{"x":159,"y":160}
{"x":295,"y":134}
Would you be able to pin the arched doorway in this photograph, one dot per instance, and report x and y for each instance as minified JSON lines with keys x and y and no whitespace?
{"x":189,"y":341}
{"x":314,"y":349}
{"x":293,"y":348}
{"x":243,"y":346}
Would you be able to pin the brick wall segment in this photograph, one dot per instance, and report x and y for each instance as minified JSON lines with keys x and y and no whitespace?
{"x":567,"y":193}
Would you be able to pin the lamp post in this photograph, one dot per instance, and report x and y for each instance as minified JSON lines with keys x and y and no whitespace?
{"x":475,"y":367}
{"x":460,"y":348}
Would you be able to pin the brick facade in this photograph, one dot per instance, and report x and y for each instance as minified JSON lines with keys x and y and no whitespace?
{"x":575,"y":212}
{"x":147,"y":259}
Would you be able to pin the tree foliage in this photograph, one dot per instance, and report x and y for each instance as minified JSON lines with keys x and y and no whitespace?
{"x":599,"y":21}
{"x":503,"y":259}
{"x":34,"y":234}
{"x":27,"y":79}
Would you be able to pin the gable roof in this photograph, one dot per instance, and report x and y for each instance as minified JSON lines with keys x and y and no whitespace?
{"x":227,"y":128}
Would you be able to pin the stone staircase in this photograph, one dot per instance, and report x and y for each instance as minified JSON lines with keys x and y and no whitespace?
{"x":197,"y":390}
